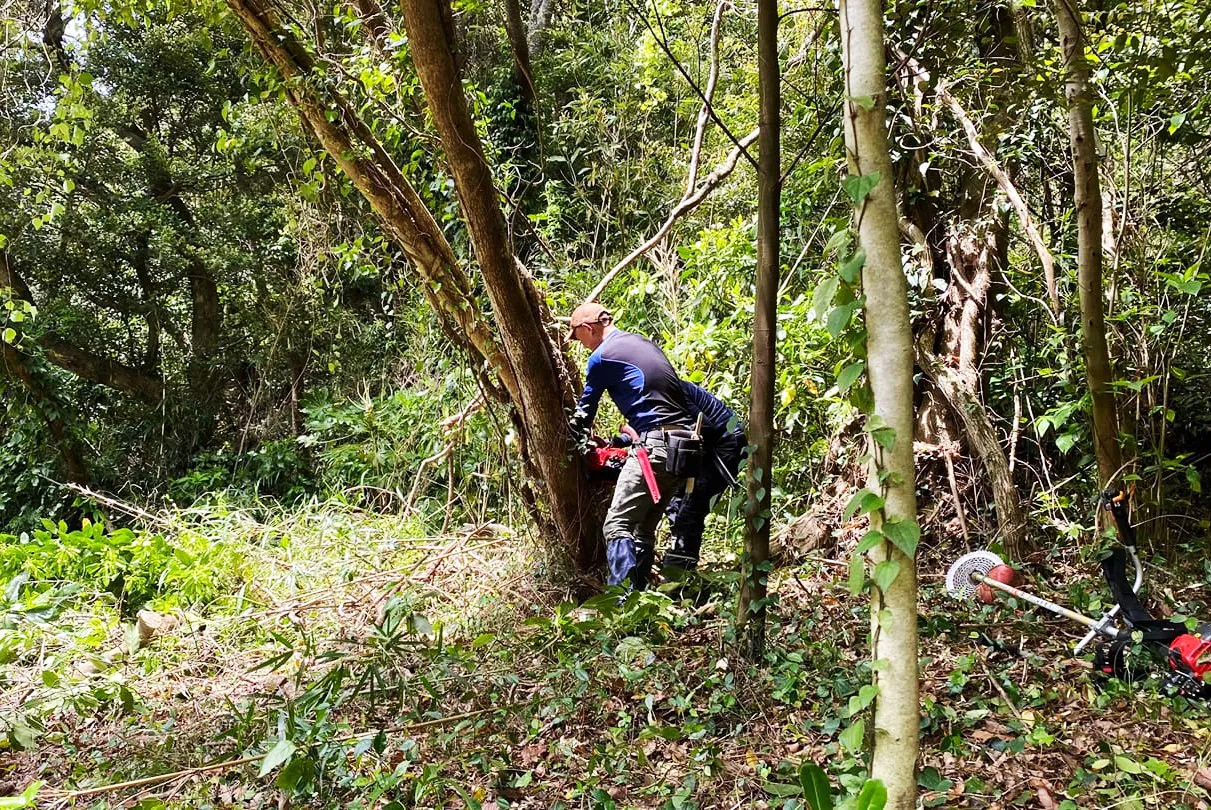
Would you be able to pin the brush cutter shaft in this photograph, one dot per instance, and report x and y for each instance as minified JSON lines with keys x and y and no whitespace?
{"x":1093,"y":624}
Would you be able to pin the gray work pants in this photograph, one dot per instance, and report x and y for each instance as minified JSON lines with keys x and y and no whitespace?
{"x":630,"y":524}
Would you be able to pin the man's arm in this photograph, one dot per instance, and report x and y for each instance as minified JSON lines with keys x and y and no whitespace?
{"x":586,"y":408}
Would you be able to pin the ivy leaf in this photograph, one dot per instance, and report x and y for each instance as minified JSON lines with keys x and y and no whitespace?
{"x":863,"y":502}
{"x":857,"y":574}
{"x":859,"y":187}
{"x":852,"y":266}
{"x":905,"y":534}
{"x":851,"y":739}
{"x":886,"y":573}
{"x":815,"y":786}
{"x":279,"y":754}
{"x":869,"y":540}
{"x":873,"y":795}
{"x":823,"y":297}
{"x":838,"y":318}
{"x":849,"y":375}
{"x":10,"y":335}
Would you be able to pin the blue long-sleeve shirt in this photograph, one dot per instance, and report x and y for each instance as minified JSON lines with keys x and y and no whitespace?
{"x":640,"y":380}
{"x":717,"y":418}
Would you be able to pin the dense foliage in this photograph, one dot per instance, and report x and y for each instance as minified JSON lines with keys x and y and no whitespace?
{"x":223,"y":389}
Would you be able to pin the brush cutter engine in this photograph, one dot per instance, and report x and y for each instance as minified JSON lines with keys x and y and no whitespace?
{"x":1190,"y":663}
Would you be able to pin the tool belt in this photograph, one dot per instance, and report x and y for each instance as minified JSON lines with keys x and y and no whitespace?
{"x":685,"y":453}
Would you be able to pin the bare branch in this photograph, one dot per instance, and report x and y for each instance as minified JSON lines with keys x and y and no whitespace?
{"x":687,"y":204}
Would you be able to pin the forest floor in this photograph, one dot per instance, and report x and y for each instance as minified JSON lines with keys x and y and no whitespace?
{"x":355,"y":669}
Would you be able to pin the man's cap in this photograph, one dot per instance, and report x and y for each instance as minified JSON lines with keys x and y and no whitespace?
{"x":592,"y":312}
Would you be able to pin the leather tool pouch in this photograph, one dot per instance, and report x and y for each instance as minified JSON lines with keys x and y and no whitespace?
{"x":684,"y":454}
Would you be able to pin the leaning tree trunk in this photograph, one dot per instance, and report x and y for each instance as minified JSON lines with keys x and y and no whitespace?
{"x":1083,"y":142}
{"x":332,"y":119}
{"x":890,"y":369}
{"x":751,"y":615}
{"x":538,"y":365}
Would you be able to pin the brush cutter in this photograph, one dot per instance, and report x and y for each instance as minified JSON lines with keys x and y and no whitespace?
{"x":1126,"y":623}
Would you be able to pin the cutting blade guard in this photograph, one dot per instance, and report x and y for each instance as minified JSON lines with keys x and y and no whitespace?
{"x":958,"y":579}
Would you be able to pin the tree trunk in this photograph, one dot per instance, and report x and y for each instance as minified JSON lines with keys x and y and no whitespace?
{"x":952,"y":363}
{"x":889,"y":367}
{"x":536,"y":378}
{"x":545,"y":398}
{"x":523,"y":74}
{"x":751,"y":615}
{"x":1088,"y":199}
{"x":366,"y":163}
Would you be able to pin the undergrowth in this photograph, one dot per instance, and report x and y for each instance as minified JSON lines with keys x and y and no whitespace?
{"x":358,"y":661}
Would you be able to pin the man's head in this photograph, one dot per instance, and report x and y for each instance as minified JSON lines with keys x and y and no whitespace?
{"x":589,"y":324}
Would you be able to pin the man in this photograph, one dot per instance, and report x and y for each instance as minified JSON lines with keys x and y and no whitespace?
{"x":648,"y":393}
{"x":724,"y":443}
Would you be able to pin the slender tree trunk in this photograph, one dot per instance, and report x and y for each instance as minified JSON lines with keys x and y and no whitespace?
{"x":1083,"y":141}
{"x":751,"y":615}
{"x":523,"y":74}
{"x":545,"y":399}
{"x":889,"y":367}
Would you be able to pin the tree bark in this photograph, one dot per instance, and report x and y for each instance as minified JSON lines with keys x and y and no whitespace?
{"x":523,"y":73}
{"x":889,"y":368}
{"x":751,"y":615}
{"x":544,"y":399}
{"x":1088,"y":198}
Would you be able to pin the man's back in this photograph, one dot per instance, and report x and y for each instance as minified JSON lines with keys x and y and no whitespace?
{"x":640,"y":380}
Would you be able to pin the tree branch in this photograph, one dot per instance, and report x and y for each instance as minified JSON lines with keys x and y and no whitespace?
{"x":687,"y":204}
{"x":1015,"y":199}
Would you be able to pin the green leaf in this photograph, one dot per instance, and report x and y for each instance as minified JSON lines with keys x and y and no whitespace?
{"x":866,"y":695}
{"x":26,"y":799}
{"x":857,"y":574}
{"x":905,"y":534}
{"x":849,"y":375}
{"x":1176,"y":121}
{"x":863,"y":502}
{"x":865,"y":102}
{"x":778,"y":789}
{"x":10,"y":335}
{"x":279,"y":754}
{"x":885,"y":618}
{"x":815,"y":786}
{"x":859,"y":187}
{"x":869,"y":540}
{"x":822,"y":299}
{"x":873,"y":796}
{"x":852,"y":266}
{"x":838,"y":241}
{"x":1127,"y":764}
{"x":886,"y":573}
{"x":852,"y":738}
{"x":839,"y":318}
